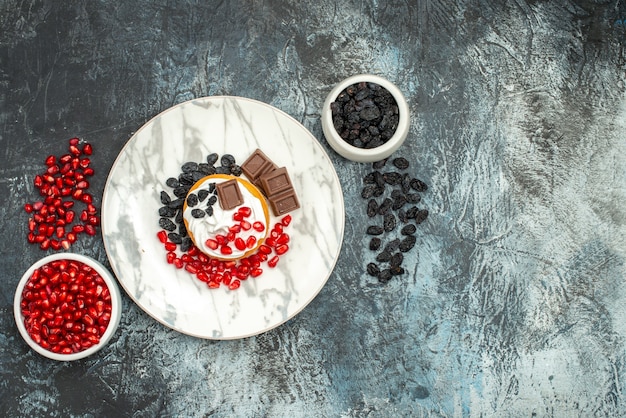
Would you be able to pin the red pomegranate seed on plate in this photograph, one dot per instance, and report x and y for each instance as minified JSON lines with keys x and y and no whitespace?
{"x":282,"y":249}
{"x":258,"y":226}
{"x":273,"y":261}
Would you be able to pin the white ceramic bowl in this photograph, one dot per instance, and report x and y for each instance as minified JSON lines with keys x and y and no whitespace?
{"x":361,"y":154}
{"x":116,"y":306}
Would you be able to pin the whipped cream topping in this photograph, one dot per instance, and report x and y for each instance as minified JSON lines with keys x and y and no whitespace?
{"x":208,"y":227}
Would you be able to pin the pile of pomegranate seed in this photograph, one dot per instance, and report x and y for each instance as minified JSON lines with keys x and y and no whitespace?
{"x":66,"y":306}
{"x":216,"y":272}
{"x":223,"y":242}
{"x":54,"y":222}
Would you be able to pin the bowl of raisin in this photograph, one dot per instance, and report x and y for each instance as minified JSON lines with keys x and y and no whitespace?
{"x":365,"y":118}
{"x":67,"y":306}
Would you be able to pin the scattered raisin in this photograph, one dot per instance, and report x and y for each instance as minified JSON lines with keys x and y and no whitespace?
{"x":372,"y":208}
{"x":374,"y":230}
{"x":375,"y":243}
{"x":383,"y":256}
{"x":192,"y":200}
{"x":401,"y":163}
{"x":408,"y":229}
{"x":203,"y":194}
{"x":384,"y":276}
{"x":197,"y":213}
{"x":421,"y":216}
{"x":396,"y":260}
{"x":175,"y":238}
{"x":165,"y":198}
{"x":189,"y":167}
{"x":172,"y":182}
{"x":372,"y":269}
{"x":389,"y":222}
{"x":407,"y":243}
{"x":167,"y":224}
{"x":211,"y":159}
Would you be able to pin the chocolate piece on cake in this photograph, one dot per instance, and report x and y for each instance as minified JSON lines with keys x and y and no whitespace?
{"x":229,"y":194}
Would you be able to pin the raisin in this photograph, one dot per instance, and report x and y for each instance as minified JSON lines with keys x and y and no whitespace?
{"x":197,"y":213}
{"x":402,"y":216}
{"x":377,"y":165}
{"x":421,"y":216}
{"x":182,"y":230}
{"x":407,"y":243}
{"x":179,"y":216}
{"x":186,"y":179}
{"x":207,"y":169}
{"x":393,"y":178}
{"x":384,"y":276}
{"x":389,"y":222}
{"x":374,"y":230}
{"x":396,"y":259}
{"x":413,"y":197}
{"x":172,"y":182}
{"x":372,"y":269}
{"x":369,"y":178}
{"x":186,"y":244}
{"x":212,"y":200}
{"x":372,"y":208}
{"x":222,"y":170}
{"x":236,"y":170}
{"x":384,"y":207}
{"x":181,"y":191}
{"x":192,"y":200}
{"x":202,"y":194}
{"x":383,"y":256}
{"x":408,"y":230}
{"x":368,"y":191}
{"x":175,"y":204}
{"x":393,"y":245}
{"x":396,"y":270}
{"x":401,"y":163}
{"x":227,"y":160}
{"x":418,"y":185}
{"x":175,"y":238}
{"x":165,"y":198}
{"x":167,"y":212}
{"x":189,"y":167}
{"x":398,"y":202}
{"x":211,"y":159}
{"x":197,"y":176}
{"x":411,"y":213}
{"x":166,"y":224}
{"x":375,"y":243}
{"x":209,"y":211}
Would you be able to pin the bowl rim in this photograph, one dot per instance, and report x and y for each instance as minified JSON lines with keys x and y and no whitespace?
{"x":116,"y":305}
{"x":366,"y":154}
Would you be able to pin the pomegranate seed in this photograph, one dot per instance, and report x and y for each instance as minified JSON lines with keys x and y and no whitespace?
{"x":245,"y":225}
{"x":28,"y":208}
{"x":90,"y":230}
{"x":221,"y":239}
{"x":69,"y":216}
{"x":66,"y":158}
{"x":84,"y":163}
{"x":271,"y":241}
{"x":178,"y":263}
{"x":235,"y":229}
{"x":256,"y":272}
{"x":51,"y":160}
{"x":54,"y":169}
{"x":265,"y":249}
{"x":251,"y":242}
{"x":66,"y":244}
{"x":245,"y":211}
{"x":84,"y":184}
{"x":38,"y":182}
{"x":74,"y":150}
{"x":86,"y":198}
{"x":226,"y":250}
{"x":170,"y":246}
{"x":87,"y":149}
{"x":273,"y":261}
{"x":71,"y":237}
{"x":282,"y":249}
{"x":283,"y":239}
{"x":74,"y":141}
{"x":240,"y":244}
{"x":234,"y":284}
{"x":60,"y":232}
{"x":237,"y":217}
{"x":258,"y":226}
{"x":88,"y":171}
{"x":212,"y":244}
{"x":170,"y":257}
{"x":77,"y":229}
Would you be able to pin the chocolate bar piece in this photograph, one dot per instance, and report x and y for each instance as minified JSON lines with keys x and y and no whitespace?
{"x":256,"y":165}
{"x":284,"y":202}
{"x":275,"y":182}
{"x":229,"y":194}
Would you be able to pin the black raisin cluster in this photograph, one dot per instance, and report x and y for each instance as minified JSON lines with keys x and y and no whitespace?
{"x":365,"y":115}
{"x":392,"y":198}
{"x":171,"y":213}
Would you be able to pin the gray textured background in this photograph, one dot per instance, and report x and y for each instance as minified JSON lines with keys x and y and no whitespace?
{"x":514,"y":303}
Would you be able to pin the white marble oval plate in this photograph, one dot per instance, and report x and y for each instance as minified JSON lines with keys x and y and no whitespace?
{"x":189,"y":132}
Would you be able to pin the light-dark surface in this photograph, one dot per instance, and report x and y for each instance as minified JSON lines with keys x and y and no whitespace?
{"x":514,"y":299}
